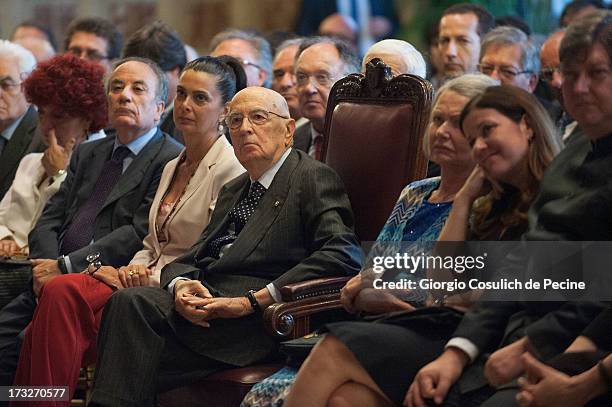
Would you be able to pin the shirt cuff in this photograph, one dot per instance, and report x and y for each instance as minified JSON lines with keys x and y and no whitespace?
{"x":68,"y":264}
{"x":465,"y":345}
{"x":173,"y":283}
{"x":274,"y":293}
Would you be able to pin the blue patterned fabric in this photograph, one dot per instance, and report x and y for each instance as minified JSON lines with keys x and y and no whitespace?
{"x":271,"y":392}
{"x":412,"y":219}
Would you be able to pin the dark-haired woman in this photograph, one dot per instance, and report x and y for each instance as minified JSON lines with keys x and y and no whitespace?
{"x":69,"y":112}
{"x":62,"y":335}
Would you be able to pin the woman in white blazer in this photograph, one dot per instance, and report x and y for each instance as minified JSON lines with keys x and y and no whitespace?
{"x":62,"y":335}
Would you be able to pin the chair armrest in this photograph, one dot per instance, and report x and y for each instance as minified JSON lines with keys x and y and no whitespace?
{"x":290,"y":319}
{"x":313,"y":288}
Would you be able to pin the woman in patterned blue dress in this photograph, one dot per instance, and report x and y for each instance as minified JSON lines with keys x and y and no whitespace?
{"x":417,"y":217}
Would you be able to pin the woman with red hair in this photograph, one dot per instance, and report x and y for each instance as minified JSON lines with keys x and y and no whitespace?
{"x":69,"y":93}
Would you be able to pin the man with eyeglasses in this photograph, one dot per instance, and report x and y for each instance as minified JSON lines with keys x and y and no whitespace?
{"x":321,"y":61}
{"x":18,"y":120}
{"x":252,"y":50}
{"x":549,"y":58}
{"x":286,"y":220}
{"x":95,"y":39}
{"x":507,"y":54}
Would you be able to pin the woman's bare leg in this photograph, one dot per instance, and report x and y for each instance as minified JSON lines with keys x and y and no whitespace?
{"x":330,"y":366}
{"x":354,"y":394}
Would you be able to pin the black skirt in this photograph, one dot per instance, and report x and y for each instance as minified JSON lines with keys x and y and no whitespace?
{"x":394,"y":347}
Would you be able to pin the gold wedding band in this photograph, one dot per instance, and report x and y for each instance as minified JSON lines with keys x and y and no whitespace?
{"x":132,"y":272}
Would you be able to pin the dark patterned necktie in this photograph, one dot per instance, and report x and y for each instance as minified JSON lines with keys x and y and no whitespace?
{"x":81,"y":229}
{"x":318,"y":147}
{"x":239,"y":216}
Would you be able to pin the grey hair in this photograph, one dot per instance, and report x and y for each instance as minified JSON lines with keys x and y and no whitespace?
{"x":507,"y":36}
{"x":25,"y":59}
{"x":161,"y":92}
{"x":263,"y":51}
{"x":288,"y":43}
{"x":468,"y":86}
{"x":347,"y":55}
{"x":412,"y":57}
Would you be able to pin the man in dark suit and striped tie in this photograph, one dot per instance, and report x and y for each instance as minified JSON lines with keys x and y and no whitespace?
{"x":102,"y":207}
{"x":288,"y":219}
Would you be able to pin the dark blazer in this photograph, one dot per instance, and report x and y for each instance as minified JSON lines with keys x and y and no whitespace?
{"x":302,"y":138}
{"x":26,"y":139}
{"x":167,"y":125}
{"x":302,"y":229}
{"x":569,"y":206}
{"x":122,"y":222}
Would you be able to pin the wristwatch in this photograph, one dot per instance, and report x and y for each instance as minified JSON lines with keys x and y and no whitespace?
{"x":254,"y":304}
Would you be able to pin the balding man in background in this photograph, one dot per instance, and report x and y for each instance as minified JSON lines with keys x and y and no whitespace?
{"x":236,"y":269}
{"x":283,"y":77}
{"x":39,"y":47}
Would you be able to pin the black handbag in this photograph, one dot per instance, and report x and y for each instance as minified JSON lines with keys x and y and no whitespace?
{"x":297,"y":350}
{"x":15,"y":276}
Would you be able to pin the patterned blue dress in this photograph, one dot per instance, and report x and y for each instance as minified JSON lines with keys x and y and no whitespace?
{"x":413,"y":219}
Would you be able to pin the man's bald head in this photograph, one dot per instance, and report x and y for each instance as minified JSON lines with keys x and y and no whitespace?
{"x":549,"y":58}
{"x":275,"y":100}
{"x":260,"y":127}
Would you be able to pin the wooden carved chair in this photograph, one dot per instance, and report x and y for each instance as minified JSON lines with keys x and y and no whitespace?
{"x":373,"y":138}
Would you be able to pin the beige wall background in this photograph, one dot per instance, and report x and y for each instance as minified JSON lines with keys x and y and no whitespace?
{"x":195,"y":20}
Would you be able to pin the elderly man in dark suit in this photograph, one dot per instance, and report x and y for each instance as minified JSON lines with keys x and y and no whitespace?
{"x":102,"y":207}
{"x":287,"y":219}
{"x":18,"y":120}
{"x":320,"y":62}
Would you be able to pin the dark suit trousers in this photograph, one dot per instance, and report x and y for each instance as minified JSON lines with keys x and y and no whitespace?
{"x":138,"y":352}
{"x":14,"y":318}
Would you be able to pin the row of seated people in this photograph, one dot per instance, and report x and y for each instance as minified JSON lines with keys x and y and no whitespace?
{"x":506,"y":53}
{"x":439,"y":354}
{"x":162,"y":340}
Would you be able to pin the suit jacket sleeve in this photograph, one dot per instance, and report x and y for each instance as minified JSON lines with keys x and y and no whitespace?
{"x":555,"y":331}
{"x":328,"y":221}
{"x":599,"y":330}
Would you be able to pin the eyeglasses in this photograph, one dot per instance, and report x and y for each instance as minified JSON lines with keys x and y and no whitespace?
{"x":505,"y":72}
{"x":322,"y":79}
{"x":86,"y":53}
{"x":9,"y":86}
{"x":547,"y":74}
{"x":246,"y":63}
{"x":256,"y":118}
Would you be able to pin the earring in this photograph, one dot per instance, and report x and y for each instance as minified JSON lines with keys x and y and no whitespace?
{"x":220,"y":128}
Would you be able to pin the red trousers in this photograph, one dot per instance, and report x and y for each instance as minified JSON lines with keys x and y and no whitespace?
{"x":62,"y":335}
